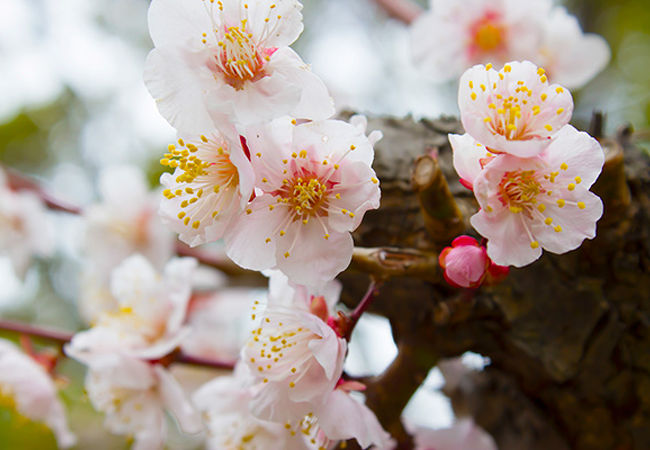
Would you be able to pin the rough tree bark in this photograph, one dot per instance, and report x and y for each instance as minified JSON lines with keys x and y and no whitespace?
{"x":568,"y":336}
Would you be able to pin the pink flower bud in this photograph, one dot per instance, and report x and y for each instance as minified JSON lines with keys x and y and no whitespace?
{"x":466,"y":264}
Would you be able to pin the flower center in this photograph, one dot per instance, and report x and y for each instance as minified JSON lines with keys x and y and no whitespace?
{"x":519,"y":189}
{"x":306,"y":197}
{"x":205,"y":167}
{"x":238,"y":56}
{"x":488,"y":35}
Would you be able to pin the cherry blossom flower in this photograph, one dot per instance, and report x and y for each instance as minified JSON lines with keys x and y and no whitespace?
{"x":341,"y":417}
{"x":463,"y":435}
{"x":134,"y":395}
{"x":223,"y":403}
{"x":211,"y":185}
{"x":25,"y":384}
{"x":297,"y":359}
{"x":25,"y":230}
{"x":469,"y":158}
{"x":570,"y":56}
{"x":148,"y":320}
{"x":466,"y":264}
{"x":230,"y":58}
{"x":452,"y":36}
{"x":124,"y":222}
{"x":514,"y":110}
{"x":539,"y":202}
{"x":313,"y":185}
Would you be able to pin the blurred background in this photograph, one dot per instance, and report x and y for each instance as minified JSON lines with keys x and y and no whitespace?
{"x":72,"y":102}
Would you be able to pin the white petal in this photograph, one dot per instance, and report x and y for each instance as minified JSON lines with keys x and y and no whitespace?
{"x":341,"y":417}
{"x":176,"y":402}
{"x":467,"y":153}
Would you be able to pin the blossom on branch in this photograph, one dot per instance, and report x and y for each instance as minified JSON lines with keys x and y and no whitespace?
{"x":211,"y":184}
{"x":25,"y":230}
{"x":27,"y":386}
{"x":514,"y":110}
{"x":314,"y":183}
{"x":540,"y":202}
{"x":147,"y":322}
{"x":466,"y":264}
{"x":122,"y":223}
{"x":134,"y":395}
{"x":455,"y":35}
{"x":230,"y":58}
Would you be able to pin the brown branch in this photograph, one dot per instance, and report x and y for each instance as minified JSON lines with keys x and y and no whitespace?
{"x":389,"y":262}
{"x":63,"y":337}
{"x":403,"y":10}
{"x":442,"y":218}
{"x":18,"y":181}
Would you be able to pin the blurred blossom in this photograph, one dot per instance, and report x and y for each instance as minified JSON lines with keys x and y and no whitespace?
{"x":26,"y":387}
{"x":220,"y":323}
{"x":25,"y":229}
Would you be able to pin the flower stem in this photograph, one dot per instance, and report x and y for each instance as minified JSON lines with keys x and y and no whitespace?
{"x":363,"y":305}
{"x":62,"y":337}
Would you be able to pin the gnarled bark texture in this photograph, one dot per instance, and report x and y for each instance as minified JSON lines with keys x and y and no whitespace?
{"x":568,"y":336}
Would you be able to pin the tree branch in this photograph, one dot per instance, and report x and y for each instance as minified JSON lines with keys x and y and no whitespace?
{"x":63,"y":337}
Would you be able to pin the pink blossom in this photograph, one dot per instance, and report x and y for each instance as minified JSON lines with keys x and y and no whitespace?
{"x":147,"y":322}
{"x":30,"y":388}
{"x":25,"y":230}
{"x":515,"y":110}
{"x":540,"y":202}
{"x":466,"y":264}
{"x":570,"y":56}
{"x":469,"y":158}
{"x":230,"y":58}
{"x":134,"y":396}
{"x":314,"y":182}
{"x":296,"y":359}
{"x":452,"y":36}
{"x":209,"y":188}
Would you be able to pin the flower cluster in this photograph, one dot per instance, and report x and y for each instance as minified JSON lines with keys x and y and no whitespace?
{"x":121,"y":350}
{"x":288,"y":389}
{"x":454,"y":35}
{"x":260,"y":164}
{"x":530,"y":171}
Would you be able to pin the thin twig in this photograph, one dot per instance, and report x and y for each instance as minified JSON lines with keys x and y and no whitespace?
{"x":363,"y":305}
{"x":21,"y":182}
{"x":63,"y":337}
{"x":404,"y":10}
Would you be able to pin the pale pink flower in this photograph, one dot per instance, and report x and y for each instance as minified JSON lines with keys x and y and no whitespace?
{"x":30,"y":388}
{"x":25,"y":229}
{"x":466,"y":264}
{"x":540,"y":202}
{"x":124,"y":222}
{"x":570,"y":56}
{"x":296,"y":359}
{"x":454,"y":35}
{"x":314,"y":182}
{"x":463,"y":435}
{"x":341,"y":417}
{"x":210,"y":186}
{"x":134,"y":395}
{"x":230,"y":58}
{"x":147,"y":322}
{"x":515,"y":110}
{"x":469,"y":158}
{"x":294,"y":356}
{"x":224,"y":406}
